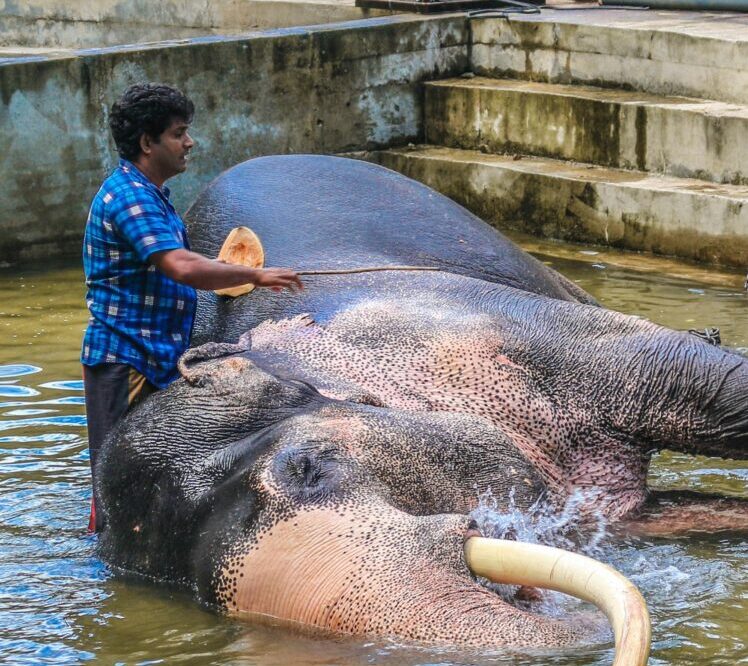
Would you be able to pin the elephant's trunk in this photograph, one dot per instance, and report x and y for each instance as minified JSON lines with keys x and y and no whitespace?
{"x":640,"y":381}
{"x":517,"y":563}
{"x":690,"y":397}
{"x":724,"y":431}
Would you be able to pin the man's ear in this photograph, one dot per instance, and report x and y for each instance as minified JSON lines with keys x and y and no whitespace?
{"x":146,"y":141}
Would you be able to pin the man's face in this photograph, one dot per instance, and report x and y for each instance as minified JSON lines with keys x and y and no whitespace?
{"x":169,"y":156}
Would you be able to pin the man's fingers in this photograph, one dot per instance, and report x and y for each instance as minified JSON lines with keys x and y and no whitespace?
{"x":280,"y":278}
{"x":294,"y":284}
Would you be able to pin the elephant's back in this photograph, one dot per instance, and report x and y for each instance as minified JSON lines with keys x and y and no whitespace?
{"x":315,"y":212}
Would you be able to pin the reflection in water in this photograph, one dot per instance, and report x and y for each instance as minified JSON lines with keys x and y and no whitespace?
{"x":72,"y":420}
{"x":17,"y":370}
{"x":76,"y":385}
{"x":60,"y":604}
{"x":12,"y":391}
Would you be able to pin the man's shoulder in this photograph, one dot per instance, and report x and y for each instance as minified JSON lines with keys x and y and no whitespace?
{"x":122,"y":189}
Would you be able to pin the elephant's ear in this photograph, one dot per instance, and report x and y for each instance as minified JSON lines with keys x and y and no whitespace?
{"x":160,"y":467}
{"x":213,"y":362}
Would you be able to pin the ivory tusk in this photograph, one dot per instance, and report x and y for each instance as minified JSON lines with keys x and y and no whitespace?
{"x":518,"y":563}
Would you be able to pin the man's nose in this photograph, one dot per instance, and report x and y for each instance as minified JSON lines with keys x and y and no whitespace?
{"x":188,"y":141}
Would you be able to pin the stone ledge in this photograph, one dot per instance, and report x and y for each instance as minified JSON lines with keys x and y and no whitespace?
{"x":684,"y":137}
{"x":672,"y":53}
{"x":570,"y":201}
{"x":100,"y":23}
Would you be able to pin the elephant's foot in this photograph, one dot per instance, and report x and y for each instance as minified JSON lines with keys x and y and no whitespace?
{"x":676,"y":512}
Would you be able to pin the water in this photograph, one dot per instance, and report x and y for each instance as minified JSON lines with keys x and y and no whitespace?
{"x":59,"y":604}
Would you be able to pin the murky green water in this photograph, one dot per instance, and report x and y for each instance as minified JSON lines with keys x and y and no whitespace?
{"x":59,"y":603}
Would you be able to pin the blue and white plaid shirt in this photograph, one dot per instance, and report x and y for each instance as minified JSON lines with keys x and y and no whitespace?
{"x":138,"y":315}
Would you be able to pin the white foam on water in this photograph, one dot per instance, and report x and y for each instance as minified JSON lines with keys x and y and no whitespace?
{"x":571,"y":527}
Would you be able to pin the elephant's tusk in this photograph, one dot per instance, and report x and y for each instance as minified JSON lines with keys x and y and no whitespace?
{"x":517,"y":563}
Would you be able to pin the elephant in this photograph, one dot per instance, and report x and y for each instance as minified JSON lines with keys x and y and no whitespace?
{"x":318,"y":460}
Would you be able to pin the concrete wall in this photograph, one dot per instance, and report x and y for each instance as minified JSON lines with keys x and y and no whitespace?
{"x":324,"y":89}
{"x":359,"y":86}
{"x":96,"y":23}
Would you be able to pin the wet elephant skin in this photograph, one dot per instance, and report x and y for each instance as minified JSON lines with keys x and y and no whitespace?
{"x":343,"y":433}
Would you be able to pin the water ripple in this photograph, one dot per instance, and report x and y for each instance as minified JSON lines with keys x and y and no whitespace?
{"x":12,"y":391}
{"x":72,"y":420}
{"x":18,"y":369}
{"x":46,"y":437}
{"x":69,"y":385}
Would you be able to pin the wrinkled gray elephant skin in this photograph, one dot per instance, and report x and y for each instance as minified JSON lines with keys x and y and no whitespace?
{"x":319,"y":457}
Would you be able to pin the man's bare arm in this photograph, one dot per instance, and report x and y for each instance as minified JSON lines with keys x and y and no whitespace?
{"x":197,"y":271}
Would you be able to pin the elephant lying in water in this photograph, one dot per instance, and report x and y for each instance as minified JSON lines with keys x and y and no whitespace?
{"x":318,"y":459}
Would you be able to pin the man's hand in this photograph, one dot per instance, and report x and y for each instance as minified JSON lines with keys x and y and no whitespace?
{"x":197,"y":271}
{"x":277,"y":279}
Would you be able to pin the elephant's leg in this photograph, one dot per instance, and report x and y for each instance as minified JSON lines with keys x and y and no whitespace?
{"x":674,"y":512}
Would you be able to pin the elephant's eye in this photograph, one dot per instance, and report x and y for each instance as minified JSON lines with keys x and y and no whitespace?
{"x":304,"y":470}
{"x":307,"y":474}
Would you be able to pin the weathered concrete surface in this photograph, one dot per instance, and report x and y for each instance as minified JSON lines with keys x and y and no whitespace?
{"x":97,"y":23}
{"x":704,"y":56}
{"x":683,"y":137}
{"x":699,"y":54}
{"x":320,"y":90}
{"x":358,"y":85}
{"x":639,"y":211}
{"x":9,"y":52}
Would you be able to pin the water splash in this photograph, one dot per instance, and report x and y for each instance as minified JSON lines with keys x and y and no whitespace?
{"x":574,"y":527}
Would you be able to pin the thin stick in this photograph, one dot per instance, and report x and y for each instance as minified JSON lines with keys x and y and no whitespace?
{"x":369,"y":269}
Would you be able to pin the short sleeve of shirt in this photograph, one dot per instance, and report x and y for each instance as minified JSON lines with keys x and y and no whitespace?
{"x":145,"y":225}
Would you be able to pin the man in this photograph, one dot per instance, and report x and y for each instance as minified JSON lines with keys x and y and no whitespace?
{"x":140,"y":272}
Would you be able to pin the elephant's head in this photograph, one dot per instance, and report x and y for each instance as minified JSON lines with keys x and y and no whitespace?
{"x":273,"y":500}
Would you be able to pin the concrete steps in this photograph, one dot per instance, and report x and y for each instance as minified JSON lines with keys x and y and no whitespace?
{"x":696,"y":54}
{"x":628,"y":128}
{"x":679,"y":136}
{"x":581,"y":202}
{"x":622,"y":127}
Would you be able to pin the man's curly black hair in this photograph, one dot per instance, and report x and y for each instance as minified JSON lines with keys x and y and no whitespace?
{"x":148,"y":108}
